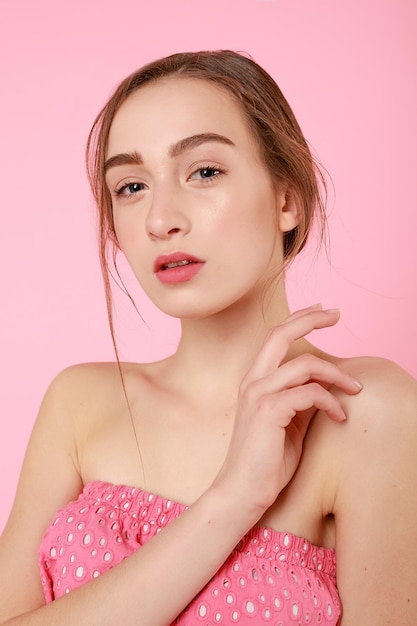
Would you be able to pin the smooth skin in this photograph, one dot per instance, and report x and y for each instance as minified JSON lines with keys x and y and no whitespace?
{"x":246,"y":423}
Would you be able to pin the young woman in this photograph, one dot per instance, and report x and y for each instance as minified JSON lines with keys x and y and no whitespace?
{"x":249,"y":478}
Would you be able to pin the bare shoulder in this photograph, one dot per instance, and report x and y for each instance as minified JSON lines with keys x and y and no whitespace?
{"x":85,"y":378}
{"x":88,"y":387}
{"x":384,"y":412}
{"x":385,"y":407}
{"x":388,"y":399}
{"x":373,"y":368}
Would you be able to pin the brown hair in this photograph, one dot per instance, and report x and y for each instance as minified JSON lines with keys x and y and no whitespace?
{"x":282,"y":145}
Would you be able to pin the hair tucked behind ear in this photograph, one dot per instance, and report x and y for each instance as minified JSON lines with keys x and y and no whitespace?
{"x":282,"y":145}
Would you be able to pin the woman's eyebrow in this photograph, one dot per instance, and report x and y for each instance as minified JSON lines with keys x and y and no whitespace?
{"x":196,"y":140}
{"x":123,"y":159}
{"x":175,"y":150}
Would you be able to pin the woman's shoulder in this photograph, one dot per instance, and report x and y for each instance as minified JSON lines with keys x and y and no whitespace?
{"x":108,"y":377}
{"x":371,"y":365}
{"x":381,"y":419}
{"x":381,"y":424}
{"x":387,"y":388}
{"x":88,"y":394}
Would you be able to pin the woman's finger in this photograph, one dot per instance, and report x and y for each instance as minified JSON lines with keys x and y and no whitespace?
{"x":300,"y":371}
{"x":280,"y":338}
{"x":282,"y":407}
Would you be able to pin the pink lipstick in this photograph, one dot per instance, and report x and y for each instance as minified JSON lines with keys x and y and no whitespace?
{"x":177,"y":267}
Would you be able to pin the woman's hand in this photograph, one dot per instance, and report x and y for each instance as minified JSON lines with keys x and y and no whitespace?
{"x":276,"y":403}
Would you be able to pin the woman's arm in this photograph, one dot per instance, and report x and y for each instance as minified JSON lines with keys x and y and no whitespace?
{"x":49,"y":479}
{"x":376,"y":499}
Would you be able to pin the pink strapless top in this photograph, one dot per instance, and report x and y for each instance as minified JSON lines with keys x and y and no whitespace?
{"x":270,"y":577}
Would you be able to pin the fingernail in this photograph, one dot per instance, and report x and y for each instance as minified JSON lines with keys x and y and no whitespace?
{"x":332,"y":311}
{"x":316,"y":306}
{"x":357,"y":383}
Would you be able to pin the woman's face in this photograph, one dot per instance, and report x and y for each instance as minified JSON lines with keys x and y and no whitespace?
{"x":195,"y":211}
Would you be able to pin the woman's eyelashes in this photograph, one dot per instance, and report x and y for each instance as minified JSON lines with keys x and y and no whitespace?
{"x":205,"y":174}
{"x":128,"y":189}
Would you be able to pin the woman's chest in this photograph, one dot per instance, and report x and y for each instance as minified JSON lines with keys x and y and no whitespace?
{"x":177,"y":453}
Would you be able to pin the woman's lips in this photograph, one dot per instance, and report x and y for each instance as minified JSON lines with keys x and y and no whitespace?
{"x":177,"y":267}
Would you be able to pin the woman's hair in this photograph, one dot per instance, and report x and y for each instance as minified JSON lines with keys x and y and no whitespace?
{"x":282,"y":145}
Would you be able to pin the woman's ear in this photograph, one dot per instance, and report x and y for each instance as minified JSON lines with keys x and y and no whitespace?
{"x":287,"y":211}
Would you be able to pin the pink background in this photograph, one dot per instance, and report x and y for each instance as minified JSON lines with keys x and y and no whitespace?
{"x":349,"y":71}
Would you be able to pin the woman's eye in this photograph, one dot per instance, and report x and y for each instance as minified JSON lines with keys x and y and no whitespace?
{"x":129,"y":189}
{"x":206,"y":173}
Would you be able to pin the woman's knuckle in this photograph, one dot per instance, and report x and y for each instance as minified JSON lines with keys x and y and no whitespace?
{"x":277,"y":331}
{"x":309,"y":361}
{"x":316,"y":389}
{"x":282,"y":334}
{"x":265,"y":404}
{"x":248,"y":392}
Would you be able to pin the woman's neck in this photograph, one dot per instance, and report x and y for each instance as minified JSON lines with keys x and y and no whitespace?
{"x":215,"y":353}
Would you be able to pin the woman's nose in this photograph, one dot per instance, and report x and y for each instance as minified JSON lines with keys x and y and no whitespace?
{"x":167,"y":216}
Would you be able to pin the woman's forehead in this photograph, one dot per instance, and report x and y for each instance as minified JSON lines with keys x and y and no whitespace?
{"x":176,"y":107}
